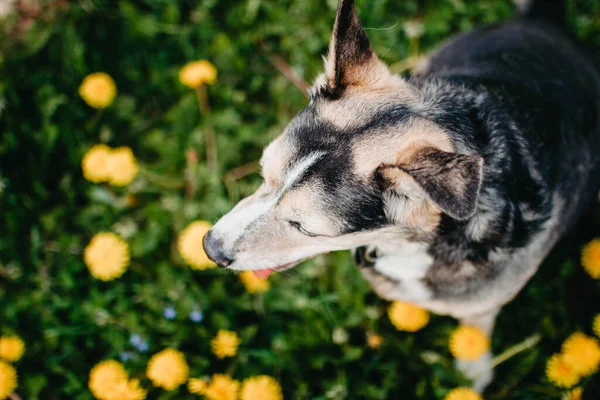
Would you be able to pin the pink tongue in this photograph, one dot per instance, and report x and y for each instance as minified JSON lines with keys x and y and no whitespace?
{"x":262,"y":273}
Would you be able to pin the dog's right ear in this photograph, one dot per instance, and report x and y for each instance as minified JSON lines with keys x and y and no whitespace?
{"x":351,"y":59}
{"x":448,"y":182}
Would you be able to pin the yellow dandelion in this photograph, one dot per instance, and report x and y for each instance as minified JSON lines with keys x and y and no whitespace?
{"x":197,"y":385}
{"x":168,"y":369}
{"x":574,"y":394}
{"x":105,"y":376}
{"x":11,"y":348}
{"x":106,"y":256}
{"x":222,"y":387}
{"x":126,"y":390}
{"x":190,"y":245}
{"x":463,"y":393}
{"x":374,"y":340}
{"x":95,"y":163}
{"x":596,"y":325}
{"x":8,"y":379}
{"x":590,"y":258}
{"x":122,"y":167}
{"x":407,"y":317}
{"x":225,"y":344}
{"x":582,"y":352}
{"x":98,"y":90}
{"x":560,"y":372}
{"x":261,"y":387}
{"x":196,"y":73}
{"x":253,"y":283}
{"x":468,"y":343}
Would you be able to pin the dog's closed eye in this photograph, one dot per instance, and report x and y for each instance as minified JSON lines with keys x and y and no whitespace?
{"x":296,"y":225}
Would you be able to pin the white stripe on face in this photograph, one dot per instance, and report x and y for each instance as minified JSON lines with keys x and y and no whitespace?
{"x":297,"y":172}
{"x":233,"y":224}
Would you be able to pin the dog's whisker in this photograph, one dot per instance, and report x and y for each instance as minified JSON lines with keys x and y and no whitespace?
{"x":382,"y":29}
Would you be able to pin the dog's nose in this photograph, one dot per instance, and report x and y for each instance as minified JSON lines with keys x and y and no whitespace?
{"x":213,"y":248}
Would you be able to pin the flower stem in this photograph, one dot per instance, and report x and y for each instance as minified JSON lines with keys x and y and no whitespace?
{"x":191,"y":159}
{"x":287,"y":71}
{"x":165,"y":182}
{"x":232,"y":176}
{"x":516,"y":349}
{"x":91,"y":123}
{"x":209,"y":133}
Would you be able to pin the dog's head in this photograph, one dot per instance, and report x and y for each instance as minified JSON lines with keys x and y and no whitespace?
{"x":357,"y":166}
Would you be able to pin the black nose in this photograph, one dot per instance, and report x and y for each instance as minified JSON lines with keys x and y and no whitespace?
{"x":214,"y":250}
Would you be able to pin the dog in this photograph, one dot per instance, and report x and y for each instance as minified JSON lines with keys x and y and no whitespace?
{"x":451,"y":186}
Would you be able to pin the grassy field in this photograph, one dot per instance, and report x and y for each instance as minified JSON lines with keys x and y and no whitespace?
{"x":309,"y":330}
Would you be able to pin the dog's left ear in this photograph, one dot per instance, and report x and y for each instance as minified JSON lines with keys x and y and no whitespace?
{"x":351,"y":59}
{"x":450,"y":181}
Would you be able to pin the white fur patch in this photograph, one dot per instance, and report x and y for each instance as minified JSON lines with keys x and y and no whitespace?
{"x":299,"y":169}
{"x":408,"y":264}
{"x":409,"y":261}
{"x":232,"y":225}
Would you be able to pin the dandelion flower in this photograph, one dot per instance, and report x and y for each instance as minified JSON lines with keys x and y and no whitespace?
{"x":414,"y":29}
{"x":98,"y":90}
{"x":196,"y":73}
{"x":596,"y":325}
{"x":468,"y":343}
{"x":225,"y":344}
{"x":11,"y":348}
{"x":590,"y":258}
{"x":106,"y":256}
{"x":197,"y":385}
{"x":374,"y":340}
{"x":8,"y":379}
{"x":407,"y":317}
{"x":105,"y":376}
{"x":574,"y":394}
{"x":190,"y":245}
{"x":126,"y":390}
{"x":560,"y":372}
{"x":222,"y":387}
{"x":261,"y":387}
{"x":122,"y":167}
{"x":168,"y":369}
{"x":254,"y":284}
{"x":95,"y":163}
{"x":582,"y":352}
{"x":463,"y":393}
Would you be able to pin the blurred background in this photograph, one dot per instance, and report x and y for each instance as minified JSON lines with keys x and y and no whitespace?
{"x":172,"y":156}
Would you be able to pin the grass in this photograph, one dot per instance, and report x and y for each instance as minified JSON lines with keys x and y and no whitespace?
{"x":309,"y":330}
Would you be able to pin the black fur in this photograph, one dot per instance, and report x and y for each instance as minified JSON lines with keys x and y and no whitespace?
{"x":547,"y":10}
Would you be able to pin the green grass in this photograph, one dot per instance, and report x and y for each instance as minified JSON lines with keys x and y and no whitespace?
{"x":49,"y":212}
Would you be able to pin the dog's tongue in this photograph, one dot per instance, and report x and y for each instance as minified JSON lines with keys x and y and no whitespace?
{"x":262,"y":273}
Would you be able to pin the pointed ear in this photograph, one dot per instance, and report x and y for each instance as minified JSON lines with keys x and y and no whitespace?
{"x":450,"y":181}
{"x":349,"y":48}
